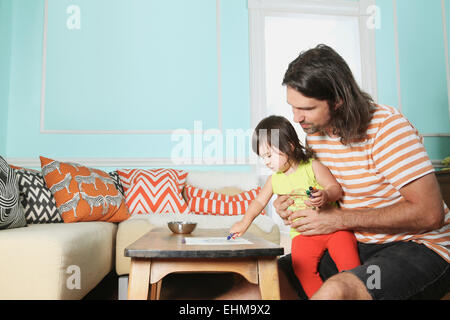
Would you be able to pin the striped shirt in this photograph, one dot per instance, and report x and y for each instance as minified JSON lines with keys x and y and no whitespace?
{"x":372,"y":172}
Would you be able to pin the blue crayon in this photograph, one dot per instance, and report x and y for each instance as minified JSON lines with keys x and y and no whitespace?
{"x":230,"y":236}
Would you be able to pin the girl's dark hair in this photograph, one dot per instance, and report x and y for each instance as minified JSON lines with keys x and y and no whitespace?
{"x":321,"y":73}
{"x":278,"y":132}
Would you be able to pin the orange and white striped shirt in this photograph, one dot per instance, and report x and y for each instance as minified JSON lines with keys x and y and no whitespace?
{"x":371,"y":173}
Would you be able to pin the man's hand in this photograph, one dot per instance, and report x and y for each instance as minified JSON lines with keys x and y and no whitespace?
{"x":316,"y":222}
{"x":281,"y":205}
{"x":309,"y":222}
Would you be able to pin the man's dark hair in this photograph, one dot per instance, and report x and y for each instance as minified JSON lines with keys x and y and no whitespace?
{"x":278,"y":132}
{"x":321,"y":73}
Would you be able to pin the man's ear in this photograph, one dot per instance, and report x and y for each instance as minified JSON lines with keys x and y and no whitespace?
{"x":338,"y":104}
{"x":292,"y":146}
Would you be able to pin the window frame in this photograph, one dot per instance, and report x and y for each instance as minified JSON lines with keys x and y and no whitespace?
{"x":260,"y":9}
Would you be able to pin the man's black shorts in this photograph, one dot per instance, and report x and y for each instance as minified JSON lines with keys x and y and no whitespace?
{"x":392,"y":271}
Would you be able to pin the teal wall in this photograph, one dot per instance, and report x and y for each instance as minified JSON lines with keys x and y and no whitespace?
{"x":151,"y":65}
{"x":422,"y":66}
{"x":5,"y":43}
{"x":95,"y":80}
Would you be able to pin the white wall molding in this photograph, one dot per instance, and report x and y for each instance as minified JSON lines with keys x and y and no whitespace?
{"x":131,"y":162}
{"x":114,"y":163}
{"x":447,"y":63}
{"x":219,"y":66}
{"x":44,"y":68}
{"x":44,"y":130}
{"x":435,"y":135}
{"x":257,"y":69}
{"x":368,"y":51}
{"x":397,"y":56}
{"x":348,"y":8}
{"x":438,"y":164}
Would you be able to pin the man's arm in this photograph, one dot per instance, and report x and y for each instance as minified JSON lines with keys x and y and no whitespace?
{"x":421,"y":210}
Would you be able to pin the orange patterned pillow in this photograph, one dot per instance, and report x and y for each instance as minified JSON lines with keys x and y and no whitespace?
{"x":82,"y":193}
{"x":154,"y":191}
{"x":213,"y":203}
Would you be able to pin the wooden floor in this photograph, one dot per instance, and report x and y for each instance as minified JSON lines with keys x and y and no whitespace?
{"x":177,"y":287}
{"x":199,"y":286}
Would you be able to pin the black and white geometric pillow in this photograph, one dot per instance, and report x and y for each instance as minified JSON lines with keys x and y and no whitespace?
{"x":115,"y":176}
{"x":36,"y":199}
{"x":11,"y":213}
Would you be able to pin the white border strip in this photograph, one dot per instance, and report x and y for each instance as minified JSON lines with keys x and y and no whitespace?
{"x":142,"y":162}
{"x":447,"y":65}
{"x":122,"y":132}
{"x":336,"y":7}
{"x":131,"y":162}
{"x":368,"y":51}
{"x":435,"y":135}
{"x":397,"y":56}
{"x":125,"y":132}
{"x":219,"y":65}
{"x":44,"y":67}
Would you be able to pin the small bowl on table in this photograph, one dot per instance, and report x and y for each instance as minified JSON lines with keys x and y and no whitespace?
{"x":181,"y":227}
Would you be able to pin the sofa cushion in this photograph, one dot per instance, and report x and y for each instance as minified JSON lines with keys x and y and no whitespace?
{"x":11,"y":213}
{"x":214,"y":180}
{"x":203,"y":201}
{"x":154,"y":191}
{"x":42,"y":261}
{"x":36,"y":199}
{"x":82,"y":193}
{"x":138,"y":225}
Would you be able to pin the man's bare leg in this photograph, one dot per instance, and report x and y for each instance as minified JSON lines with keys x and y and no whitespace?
{"x":342,"y":286}
{"x":241,"y":290}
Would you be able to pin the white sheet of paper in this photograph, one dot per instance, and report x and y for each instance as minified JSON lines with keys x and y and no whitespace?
{"x":215,"y":241}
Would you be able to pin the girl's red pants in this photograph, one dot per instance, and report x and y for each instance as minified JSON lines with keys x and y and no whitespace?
{"x":307,"y":251}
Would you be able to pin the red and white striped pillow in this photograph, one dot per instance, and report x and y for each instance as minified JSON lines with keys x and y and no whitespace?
{"x":213,"y":203}
{"x":154,"y":191}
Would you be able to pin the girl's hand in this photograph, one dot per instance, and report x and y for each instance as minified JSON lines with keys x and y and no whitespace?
{"x":239,"y":228}
{"x":320,"y":199}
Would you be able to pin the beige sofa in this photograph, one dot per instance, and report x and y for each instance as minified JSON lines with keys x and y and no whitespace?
{"x":55,"y":261}
{"x":66,"y":261}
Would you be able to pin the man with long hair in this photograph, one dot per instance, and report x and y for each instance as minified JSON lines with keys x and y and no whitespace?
{"x":391,"y":199}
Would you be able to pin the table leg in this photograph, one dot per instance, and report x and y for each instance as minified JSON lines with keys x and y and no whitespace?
{"x":155,"y":290}
{"x":139,"y":279}
{"x":269,"y":285}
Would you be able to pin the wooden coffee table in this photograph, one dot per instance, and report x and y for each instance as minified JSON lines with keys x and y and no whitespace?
{"x":160,"y":252}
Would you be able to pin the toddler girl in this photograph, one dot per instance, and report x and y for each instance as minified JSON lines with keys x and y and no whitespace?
{"x":295,"y":174}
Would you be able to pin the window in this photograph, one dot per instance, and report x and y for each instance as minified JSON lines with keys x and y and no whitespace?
{"x":281,"y":29}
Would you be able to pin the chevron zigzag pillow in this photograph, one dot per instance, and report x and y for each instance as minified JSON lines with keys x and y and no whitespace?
{"x":213,"y":203}
{"x":36,"y":199}
{"x":154,"y":191}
